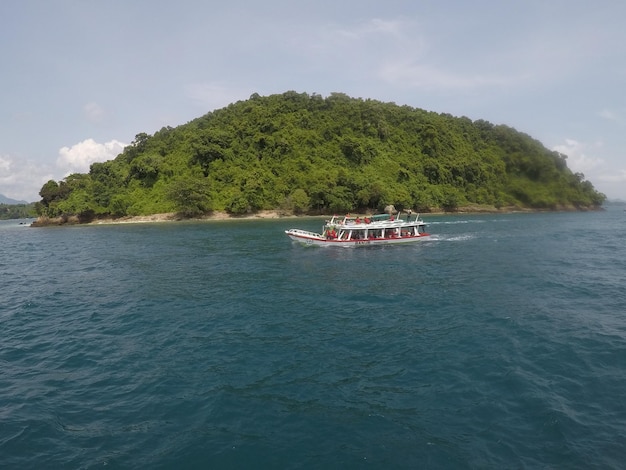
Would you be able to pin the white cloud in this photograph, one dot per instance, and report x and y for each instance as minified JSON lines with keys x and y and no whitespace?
{"x":21,"y":179}
{"x":605,"y":174}
{"x":578,"y":159}
{"x":78,"y":157}
{"x":5,"y":164}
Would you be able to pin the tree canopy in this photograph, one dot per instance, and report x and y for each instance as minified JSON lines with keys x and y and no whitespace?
{"x":16,"y":211}
{"x":304,"y":153}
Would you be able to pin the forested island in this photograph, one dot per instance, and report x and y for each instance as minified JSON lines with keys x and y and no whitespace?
{"x":305,"y":154}
{"x":17,"y":211}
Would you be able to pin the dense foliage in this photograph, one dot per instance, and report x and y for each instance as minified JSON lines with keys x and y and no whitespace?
{"x":17,"y":211}
{"x":307,"y":154}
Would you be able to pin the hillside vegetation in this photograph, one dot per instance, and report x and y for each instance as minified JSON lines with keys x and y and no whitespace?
{"x":303,"y":153}
{"x":16,"y":211}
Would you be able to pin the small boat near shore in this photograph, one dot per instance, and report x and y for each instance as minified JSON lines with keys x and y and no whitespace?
{"x":347,"y":231}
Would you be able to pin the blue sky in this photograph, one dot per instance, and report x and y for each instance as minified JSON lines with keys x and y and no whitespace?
{"x":79,"y":79}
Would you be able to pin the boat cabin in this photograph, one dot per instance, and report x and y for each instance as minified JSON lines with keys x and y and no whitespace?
{"x":382,"y":226}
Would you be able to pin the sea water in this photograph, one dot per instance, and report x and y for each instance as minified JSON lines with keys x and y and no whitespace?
{"x":498,"y":343}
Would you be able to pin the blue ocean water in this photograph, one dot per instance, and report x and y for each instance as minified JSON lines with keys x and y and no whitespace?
{"x":499,"y":343}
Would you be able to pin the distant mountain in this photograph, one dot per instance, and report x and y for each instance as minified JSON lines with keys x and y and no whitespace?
{"x":8,"y":200}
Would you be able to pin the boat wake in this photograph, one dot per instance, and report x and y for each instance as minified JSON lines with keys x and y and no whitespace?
{"x":452,"y":238}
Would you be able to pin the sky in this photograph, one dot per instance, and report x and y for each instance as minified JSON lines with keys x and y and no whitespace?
{"x":79,"y":79}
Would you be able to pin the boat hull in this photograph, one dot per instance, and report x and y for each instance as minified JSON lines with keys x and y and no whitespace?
{"x":317,"y":240}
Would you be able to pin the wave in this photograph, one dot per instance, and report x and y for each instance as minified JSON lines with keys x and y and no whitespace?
{"x":453,"y":238}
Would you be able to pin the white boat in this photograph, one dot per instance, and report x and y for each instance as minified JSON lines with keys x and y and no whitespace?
{"x":347,"y":231}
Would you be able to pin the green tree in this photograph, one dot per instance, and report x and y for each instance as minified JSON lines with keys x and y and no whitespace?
{"x":321,"y":155}
{"x":190,"y":196}
{"x":298,"y":201}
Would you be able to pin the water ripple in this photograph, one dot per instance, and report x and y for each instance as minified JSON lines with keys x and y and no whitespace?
{"x":197,"y":345}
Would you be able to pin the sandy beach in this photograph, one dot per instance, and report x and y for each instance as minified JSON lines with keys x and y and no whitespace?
{"x":267,"y":214}
{"x":173,"y":217}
